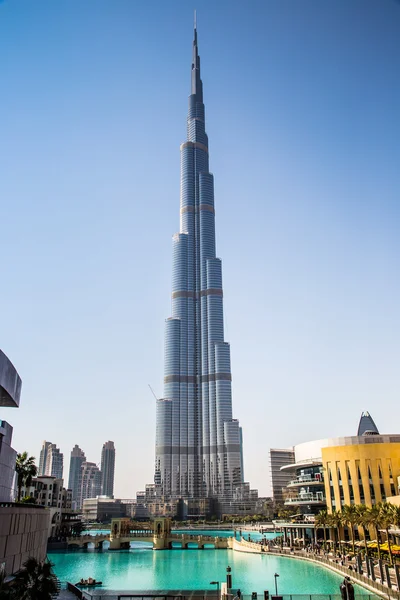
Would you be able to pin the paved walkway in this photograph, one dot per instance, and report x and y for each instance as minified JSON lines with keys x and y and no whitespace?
{"x":66,"y":595}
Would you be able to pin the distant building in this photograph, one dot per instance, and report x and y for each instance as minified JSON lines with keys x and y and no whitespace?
{"x":278,"y":458}
{"x":75,"y":474}
{"x":54,"y":462}
{"x":51,"y":461}
{"x":367,"y":425}
{"x":107,"y":469}
{"x":103,"y":509}
{"x":91,"y":482}
{"x":43,"y":458}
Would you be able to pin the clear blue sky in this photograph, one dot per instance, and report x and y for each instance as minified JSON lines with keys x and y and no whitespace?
{"x":302,"y":103}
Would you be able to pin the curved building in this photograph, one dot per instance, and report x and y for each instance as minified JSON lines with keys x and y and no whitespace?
{"x":10,"y":392}
{"x":10,"y":383}
{"x":198,"y":443}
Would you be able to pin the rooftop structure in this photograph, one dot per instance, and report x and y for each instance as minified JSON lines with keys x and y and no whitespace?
{"x":367,"y":425}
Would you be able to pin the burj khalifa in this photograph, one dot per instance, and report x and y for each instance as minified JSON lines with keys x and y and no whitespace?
{"x":198,"y":442}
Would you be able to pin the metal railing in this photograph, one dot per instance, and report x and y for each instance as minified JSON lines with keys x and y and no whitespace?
{"x":306,"y":479}
{"x":211,"y":595}
{"x":306,"y":497}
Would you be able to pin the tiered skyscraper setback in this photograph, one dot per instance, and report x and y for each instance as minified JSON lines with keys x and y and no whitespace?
{"x":198,"y":442}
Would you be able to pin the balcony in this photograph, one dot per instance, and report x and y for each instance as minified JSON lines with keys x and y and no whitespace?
{"x":306,"y":498}
{"x":306,"y":479}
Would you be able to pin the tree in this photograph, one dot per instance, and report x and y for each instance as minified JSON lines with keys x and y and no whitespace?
{"x":26,"y":470}
{"x":336,"y":521}
{"x":28,"y":500}
{"x":350,"y":518}
{"x":35,"y":581}
{"x":375,"y":519}
{"x":322,"y":520}
{"x":386,"y":521}
{"x":364,"y":520}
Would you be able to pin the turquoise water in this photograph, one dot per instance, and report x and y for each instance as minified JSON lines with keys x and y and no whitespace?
{"x":141,"y":569}
{"x":254,"y":535}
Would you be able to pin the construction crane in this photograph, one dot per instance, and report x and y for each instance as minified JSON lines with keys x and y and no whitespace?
{"x":152,"y":391}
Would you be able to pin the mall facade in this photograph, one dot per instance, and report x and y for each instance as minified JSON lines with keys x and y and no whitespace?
{"x":330,"y":473}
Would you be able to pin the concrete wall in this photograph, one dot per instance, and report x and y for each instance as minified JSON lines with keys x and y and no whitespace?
{"x":23,"y":533}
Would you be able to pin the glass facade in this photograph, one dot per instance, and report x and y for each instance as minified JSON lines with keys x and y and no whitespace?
{"x":198,"y":443}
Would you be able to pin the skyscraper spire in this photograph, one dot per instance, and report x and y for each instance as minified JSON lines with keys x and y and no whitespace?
{"x":197,"y":86}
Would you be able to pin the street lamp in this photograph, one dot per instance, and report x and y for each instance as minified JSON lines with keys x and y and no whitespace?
{"x":217,"y":584}
{"x":276,"y":583}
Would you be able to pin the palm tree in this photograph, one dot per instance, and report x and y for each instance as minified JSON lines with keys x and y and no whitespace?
{"x":396,"y":515}
{"x":336,"y":521}
{"x":35,"y":581}
{"x":386,"y":521}
{"x":350,"y":517}
{"x":26,"y":470}
{"x":364,"y":519}
{"x":375,"y":520}
{"x":321,"y":520}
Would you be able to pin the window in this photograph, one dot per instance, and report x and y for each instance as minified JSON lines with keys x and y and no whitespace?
{"x":379,"y":472}
{"x":372,"y":492}
{"x":383,"y":494}
{"x":362,"y":495}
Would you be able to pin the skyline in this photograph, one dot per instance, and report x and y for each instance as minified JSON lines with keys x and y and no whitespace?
{"x":311,"y":170}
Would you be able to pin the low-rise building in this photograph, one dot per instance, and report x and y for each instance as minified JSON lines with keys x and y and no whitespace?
{"x":104,"y":508}
{"x":49,"y":492}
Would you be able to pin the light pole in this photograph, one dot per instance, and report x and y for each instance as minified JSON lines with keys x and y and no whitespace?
{"x":217,"y":584}
{"x":276,"y":583}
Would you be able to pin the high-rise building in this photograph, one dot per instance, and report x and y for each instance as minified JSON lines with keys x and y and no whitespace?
{"x":54,"y":462}
{"x":91,"y":482}
{"x":51,"y":460}
{"x":75,"y":474}
{"x":280,"y":457}
{"x":43,"y":458}
{"x":198,"y":442}
{"x":107,"y":469}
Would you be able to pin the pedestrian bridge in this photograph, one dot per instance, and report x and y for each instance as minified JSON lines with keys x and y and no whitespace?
{"x":125,"y":531}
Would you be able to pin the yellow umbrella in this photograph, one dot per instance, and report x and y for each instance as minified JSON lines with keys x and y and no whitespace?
{"x":372,"y":545}
{"x":384,"y":546}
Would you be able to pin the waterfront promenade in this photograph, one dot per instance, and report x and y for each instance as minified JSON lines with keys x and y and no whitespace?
{"x":385,"y":582}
